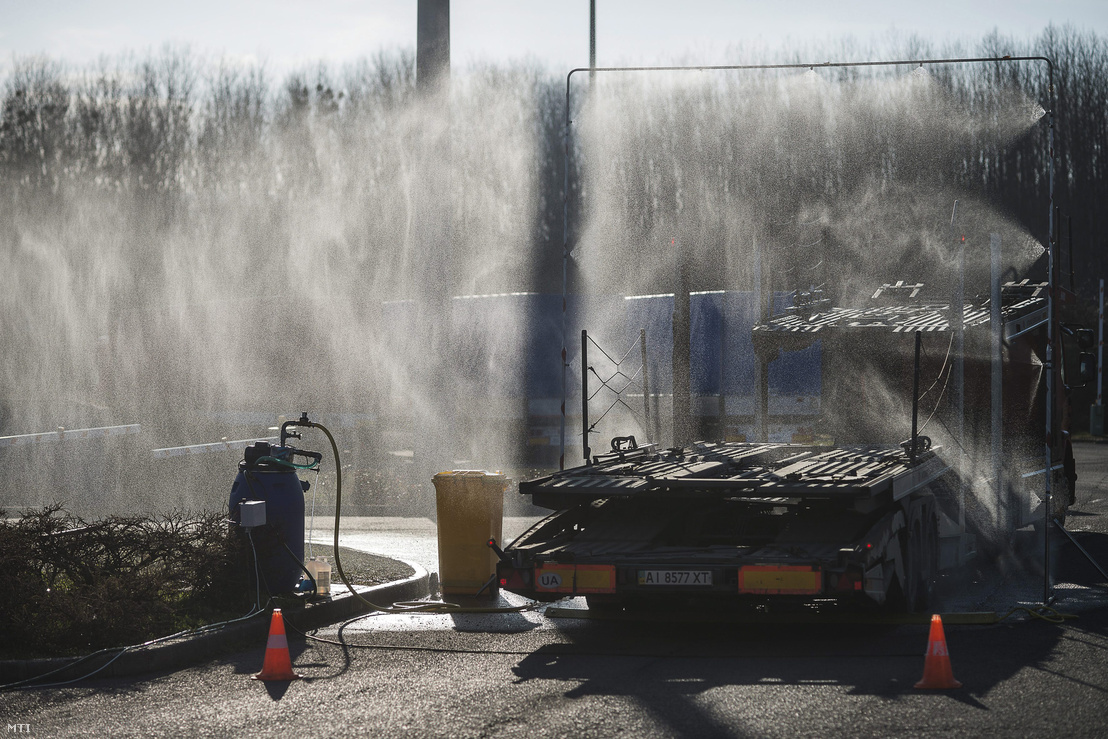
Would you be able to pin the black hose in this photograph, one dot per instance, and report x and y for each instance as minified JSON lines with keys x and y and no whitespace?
{"x":315,"y":588}
{"x":338,"y":510}
{"x":338,"y":514}
{"x":408,"y":607}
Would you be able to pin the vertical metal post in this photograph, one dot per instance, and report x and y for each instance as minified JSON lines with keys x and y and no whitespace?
{"x":1069,"y":232}
{"x":915,"y":401}
{"x":657,"y":417}
{"x":1100,"y":349}
{"x":585,"y":395}
{"x":761,"y":368}
{"x":957,"y":326}
{"x":682,"y":350}
{"x":565,"y":277}
{"x":1048,"y":498}
{"x":565,"y":367}
{"x":721,"y":434}
{"x":1004,"y":504}
{"x":762,"y":361}
{"x":645,"y":384}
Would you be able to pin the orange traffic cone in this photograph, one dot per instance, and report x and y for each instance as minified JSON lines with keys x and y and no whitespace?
{"x":278,"y":664}
{"x":937,"y":674}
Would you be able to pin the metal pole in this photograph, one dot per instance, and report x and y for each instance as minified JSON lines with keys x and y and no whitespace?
{"x":1048,"y":499}
{"x":957,"y":326}
{"x":822,"y":65}
{"x":1069,"y":232}
{"x":645,"y":384}
{"x":737,"y":67}
{"x":761,"y":402}
{"x":1100,"y":349}
{"x":721,"y":433}
{"x":1004,"y":508}
{"x":682,"y":349}
{"x":657,"y":418}
{"x":565,"y":277}
{"x":915,"y":401}
{"x":585,"y":394}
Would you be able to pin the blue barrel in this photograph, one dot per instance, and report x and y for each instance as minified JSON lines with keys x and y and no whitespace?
{"x":263,"y":476}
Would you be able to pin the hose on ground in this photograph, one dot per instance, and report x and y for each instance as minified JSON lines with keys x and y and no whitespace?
{"x":32,"y":683}
{"x":1043,"y":613}
{"x":403,"y":607}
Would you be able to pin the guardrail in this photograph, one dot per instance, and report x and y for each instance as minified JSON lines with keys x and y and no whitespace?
{"x":111,"y":469}
{"x":63,"y":434}
{"x":215,"y":446}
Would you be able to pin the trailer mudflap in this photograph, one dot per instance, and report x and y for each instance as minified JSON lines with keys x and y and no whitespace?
{"x":875,"y":582}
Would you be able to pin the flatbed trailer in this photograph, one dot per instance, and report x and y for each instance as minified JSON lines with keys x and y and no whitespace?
{"x":865,"y":523}
{"x":734,"y":521}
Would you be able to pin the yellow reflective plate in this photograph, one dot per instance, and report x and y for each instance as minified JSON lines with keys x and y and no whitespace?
{"x":595,"y":579}
{"x":780,"y":580}
{"x":562,"y":578}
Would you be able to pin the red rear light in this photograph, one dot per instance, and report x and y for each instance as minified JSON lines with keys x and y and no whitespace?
{"x":848,"y":581}
{"x":512,"y":578}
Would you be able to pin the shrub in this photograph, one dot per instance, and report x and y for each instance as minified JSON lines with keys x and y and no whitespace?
{"x":75,"y":587}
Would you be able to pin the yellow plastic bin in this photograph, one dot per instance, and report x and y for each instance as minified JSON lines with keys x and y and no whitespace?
{"x":470,"y":507}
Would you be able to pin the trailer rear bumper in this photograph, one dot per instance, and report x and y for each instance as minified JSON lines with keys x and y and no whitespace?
{"x":548,"y":581}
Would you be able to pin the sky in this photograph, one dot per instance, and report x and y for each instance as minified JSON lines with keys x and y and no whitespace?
{"x":289,"y":34}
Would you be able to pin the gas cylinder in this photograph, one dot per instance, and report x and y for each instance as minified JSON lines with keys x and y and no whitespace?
{"x":266,"y":473}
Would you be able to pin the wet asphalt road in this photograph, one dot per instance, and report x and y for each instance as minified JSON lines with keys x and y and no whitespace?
{"x":532,"y":675}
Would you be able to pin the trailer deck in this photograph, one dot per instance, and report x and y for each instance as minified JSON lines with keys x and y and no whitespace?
{"x":753,"y":472}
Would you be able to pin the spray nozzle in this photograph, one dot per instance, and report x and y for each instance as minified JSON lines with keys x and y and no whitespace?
{"x":302,"y":421}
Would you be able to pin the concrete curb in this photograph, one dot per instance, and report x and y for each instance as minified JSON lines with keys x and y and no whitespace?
{"x":194,"y":649}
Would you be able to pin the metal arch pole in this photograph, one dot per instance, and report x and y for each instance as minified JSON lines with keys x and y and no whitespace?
{"x":645,"y":384}
{"x":565,"y":275}
{"x":1100,"y":349}
{"x":814,"y":65}
{"x":957,"y":371}
{"x":592,"y":70}
{"x":913,"y":449}
{"x":1048,"y":498}
{"x":1006,"y":514}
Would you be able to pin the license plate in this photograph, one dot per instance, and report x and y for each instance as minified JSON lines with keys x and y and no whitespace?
{"x":675,"y":577}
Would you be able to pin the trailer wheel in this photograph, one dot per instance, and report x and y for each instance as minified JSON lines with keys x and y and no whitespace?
{"x":895,"y":599}
{"x":1060,"y":495}
{"x":927,"y":535}
{"x":914,"y":593}
{"x":913,"y":575}
{"x":1070,"y":468}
